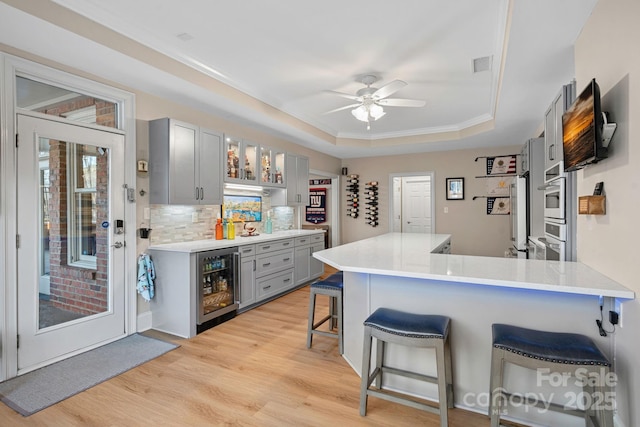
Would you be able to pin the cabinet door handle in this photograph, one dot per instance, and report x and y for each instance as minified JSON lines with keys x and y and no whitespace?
{"x":266,"y":265}
{"x":197,"y":193}
{"x":254,"y":265}
{"x":286,"y":259}
{"x":266,"y":247}
{"x":201,"y":193}
{"x":246,"y":251}
{"x":286,"y":280}
{"x":285,"y":244}
{"x":552,"y":149}
{"x":266,"y":287}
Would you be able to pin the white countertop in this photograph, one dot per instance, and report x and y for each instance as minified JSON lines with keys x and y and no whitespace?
{"x":210,"y":244}
{"x":409,"y":255}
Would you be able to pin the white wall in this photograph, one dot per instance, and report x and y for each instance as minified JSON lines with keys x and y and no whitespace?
{"x":607,"y":50}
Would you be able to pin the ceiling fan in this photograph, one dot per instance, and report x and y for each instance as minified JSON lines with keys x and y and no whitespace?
{"x":371,"y":99}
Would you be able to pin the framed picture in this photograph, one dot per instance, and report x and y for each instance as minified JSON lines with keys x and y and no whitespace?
{"x":455,"y":188}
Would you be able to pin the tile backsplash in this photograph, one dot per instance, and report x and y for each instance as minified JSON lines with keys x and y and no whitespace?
{"x":178,"y":223}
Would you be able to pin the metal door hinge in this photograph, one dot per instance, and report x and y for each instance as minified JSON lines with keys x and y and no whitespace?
{"x":17,"y":241}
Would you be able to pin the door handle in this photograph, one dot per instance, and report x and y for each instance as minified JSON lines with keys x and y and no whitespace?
{"x":118,"y":245}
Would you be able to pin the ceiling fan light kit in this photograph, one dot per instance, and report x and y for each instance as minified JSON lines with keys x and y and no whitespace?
{"x":371,"y":99}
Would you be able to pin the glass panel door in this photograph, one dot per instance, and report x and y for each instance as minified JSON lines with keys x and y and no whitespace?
{"x":69,"y":195}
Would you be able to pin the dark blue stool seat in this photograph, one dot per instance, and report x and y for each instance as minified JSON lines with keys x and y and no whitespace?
{"x":557,"y":347}
{"x":331,"y":287}
{"x":411,"y":330}
{"x":335,"y":277}
{"x":555,"y":352}
{"x":408,"y":324}
{"x":325,"y":284}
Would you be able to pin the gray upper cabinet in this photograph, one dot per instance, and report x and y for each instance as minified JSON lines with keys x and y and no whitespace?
{"x":297,"y":181}
{"x":554,"y":153}
{"x":184,"y":164}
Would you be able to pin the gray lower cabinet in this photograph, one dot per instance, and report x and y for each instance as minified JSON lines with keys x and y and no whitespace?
{"x":316,"y":266}
{"x":307,"y":267}
{"x":274,"y":284}
{"x":247,"y":294}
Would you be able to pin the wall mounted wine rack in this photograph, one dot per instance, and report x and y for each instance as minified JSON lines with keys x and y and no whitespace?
{"x":353,"y":200}
{"x":371,"y":201}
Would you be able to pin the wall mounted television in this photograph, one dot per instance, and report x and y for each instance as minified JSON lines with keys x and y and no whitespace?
{"x":582,"y":130}
{"x":243,"y":208}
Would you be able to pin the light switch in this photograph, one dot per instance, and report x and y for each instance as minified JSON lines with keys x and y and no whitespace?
{"x":446,"y":209}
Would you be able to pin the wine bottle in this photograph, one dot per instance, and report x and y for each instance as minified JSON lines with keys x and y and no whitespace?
{"x":352,"y":209}
{"x":372,"y":183}
{"x":353,"y":214}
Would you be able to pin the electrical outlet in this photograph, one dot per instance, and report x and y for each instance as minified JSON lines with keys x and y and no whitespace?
{"x":446,"y":209}
{"x":617,"y":307}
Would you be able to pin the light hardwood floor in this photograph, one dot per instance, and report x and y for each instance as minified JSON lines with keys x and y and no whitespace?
{"x":253,"y":370}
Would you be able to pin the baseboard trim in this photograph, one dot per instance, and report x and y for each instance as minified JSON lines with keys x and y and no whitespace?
{"x":144,"y":322}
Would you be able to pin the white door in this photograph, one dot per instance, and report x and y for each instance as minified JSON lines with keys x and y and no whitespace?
{"x":70,"y":199}
{"x":416,"y":204}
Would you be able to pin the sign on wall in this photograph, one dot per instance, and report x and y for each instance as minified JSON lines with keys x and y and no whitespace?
{"x":316,"y":212}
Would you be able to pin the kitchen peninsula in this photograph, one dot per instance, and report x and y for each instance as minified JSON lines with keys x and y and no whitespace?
{"x":401,"y":271}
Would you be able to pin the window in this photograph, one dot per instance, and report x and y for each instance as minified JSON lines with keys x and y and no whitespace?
{"x":82,"y":178}
{"x":53,"y":100}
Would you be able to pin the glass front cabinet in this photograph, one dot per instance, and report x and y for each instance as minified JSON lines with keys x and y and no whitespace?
{"x":272,"y":167}
{"x":242,"y":164}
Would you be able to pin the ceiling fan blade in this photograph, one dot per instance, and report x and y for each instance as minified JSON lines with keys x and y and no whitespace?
{"x":397,"y":102}
{"x":388,"y":89}
{"x":346,"y":107}
{"x":345,"y":95}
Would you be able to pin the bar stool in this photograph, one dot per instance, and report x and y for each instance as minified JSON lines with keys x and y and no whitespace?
{"x":560,"y":353}
{"x":412,"y":330}
{"x":332,"y":287}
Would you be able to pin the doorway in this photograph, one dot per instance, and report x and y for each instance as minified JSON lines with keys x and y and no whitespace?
{"x":70,"y":198}
{"x":332,"y":205}
{"x":412,"y":206}
{"x":72,"y":115}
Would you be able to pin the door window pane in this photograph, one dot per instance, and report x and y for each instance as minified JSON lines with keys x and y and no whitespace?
{"x":74,"y":188}
{"x":56,"y":101}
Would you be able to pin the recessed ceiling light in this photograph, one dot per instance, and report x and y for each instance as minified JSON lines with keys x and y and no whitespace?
{"x":185,"y":37}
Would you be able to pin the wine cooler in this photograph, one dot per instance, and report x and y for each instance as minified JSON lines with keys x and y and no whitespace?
{"x":217,"y":279}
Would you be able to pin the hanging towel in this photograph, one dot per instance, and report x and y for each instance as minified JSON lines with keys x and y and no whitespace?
{"x":146,"y":274}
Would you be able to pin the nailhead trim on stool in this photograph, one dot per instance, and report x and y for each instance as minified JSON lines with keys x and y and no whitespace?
{"x":332,"y":287}
{"x":411,"y":330}
{"x":557,"y":351}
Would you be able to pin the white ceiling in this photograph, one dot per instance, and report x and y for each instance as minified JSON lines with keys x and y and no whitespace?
{"x":289,"y":53}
